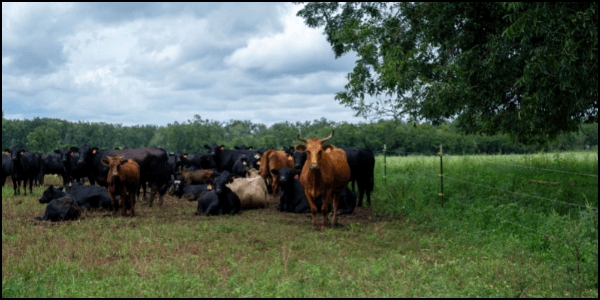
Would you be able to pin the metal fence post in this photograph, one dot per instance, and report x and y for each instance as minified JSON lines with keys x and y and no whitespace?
{"x":384,"y":167}
{"x":441,"y":176}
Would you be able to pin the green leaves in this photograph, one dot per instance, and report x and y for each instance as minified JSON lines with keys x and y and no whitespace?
{"x":486,"y":65}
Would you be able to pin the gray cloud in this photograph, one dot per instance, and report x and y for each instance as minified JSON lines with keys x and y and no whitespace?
{"x":156,"y":63}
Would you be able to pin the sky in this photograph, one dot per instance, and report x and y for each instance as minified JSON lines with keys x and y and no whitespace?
{"x":157,"y":63}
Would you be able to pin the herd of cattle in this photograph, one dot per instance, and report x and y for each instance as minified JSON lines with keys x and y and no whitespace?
{"x":307,"y":178}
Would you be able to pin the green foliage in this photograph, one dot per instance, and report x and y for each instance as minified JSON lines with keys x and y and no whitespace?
{"x":529,"y":70}
{"x":43,"y":139}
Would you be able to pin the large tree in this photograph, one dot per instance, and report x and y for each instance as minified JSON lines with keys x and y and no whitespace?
{"x":526,"y":69}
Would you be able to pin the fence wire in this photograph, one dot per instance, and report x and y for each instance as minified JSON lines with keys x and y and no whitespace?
{"x":487,"y":186}
{"x":551,"y":170}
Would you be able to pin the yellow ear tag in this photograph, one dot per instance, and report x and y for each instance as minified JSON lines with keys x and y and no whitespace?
{"x":209,"y":187}
{"x":94,"y":152}
{"x":257,"y":156}
{"x":7,"y":152}
{"x":244,"y":163}
{"x":258,"y":163}
{"x":185,"y":156}
{"x":290,"y":158}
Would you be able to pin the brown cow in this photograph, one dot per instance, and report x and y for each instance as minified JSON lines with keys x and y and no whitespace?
{"x":197,"y":177}
{"x":325,"y":174}
{"x":123,"y":177}
{"x":277,"y":160}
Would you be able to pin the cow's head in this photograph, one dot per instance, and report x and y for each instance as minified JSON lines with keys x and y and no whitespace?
{"x":286,"y":175}
{"x":207,"y":161}
{"x":314,"y":150}
{"x":114,"y":163}
{"x":15,"y":153}
{"x":178,"y":185}
{"x":52,"y":193}
{"x":66,"y":154}
{"x":218,"y":185}
{"x":86,"y":153}
{"x":214,"y":149}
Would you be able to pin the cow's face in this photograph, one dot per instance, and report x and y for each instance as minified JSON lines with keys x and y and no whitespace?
{"x":65,"y":155}
{"x":285,"y":175}
{"x":299,"y":159}
{"x":314,"y":150}
{"x":15,"y":153}
{"x":86,"y":153}
{"x":219,"y":183}
{"x":208,"y":161}
{"x":178,"y":184}
{"x":114,"y":164}
{"x":214,"y":149}
{"x":51,"y":193}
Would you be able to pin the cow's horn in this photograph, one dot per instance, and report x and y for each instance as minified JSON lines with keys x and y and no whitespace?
{"x":327,"y":138}
{"x":302,"y":139}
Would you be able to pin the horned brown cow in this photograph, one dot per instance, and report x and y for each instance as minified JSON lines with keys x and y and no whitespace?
{"x":274,"y":160}
{"x":325,"y":174}
{"x":123,"y":177}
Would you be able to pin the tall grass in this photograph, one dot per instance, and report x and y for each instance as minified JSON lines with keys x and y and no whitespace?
{"x":487,"y":200}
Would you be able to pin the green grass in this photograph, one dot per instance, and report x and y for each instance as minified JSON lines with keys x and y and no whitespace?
{"x":421,"y":250}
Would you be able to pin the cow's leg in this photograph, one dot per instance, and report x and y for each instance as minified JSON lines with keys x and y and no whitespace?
{"x":326,"y":206}
{"x":361,"y":192}
{"x":336,"y":202}
{"x":31,"y":185}
{"x":122,"y":201}
{"x":132,"y":195}
{"x":15,"y":186}
{"x":313,"y":208}
{"x":213,"y":205}
{"x":275,"y":186}
{"x":113,"y":201}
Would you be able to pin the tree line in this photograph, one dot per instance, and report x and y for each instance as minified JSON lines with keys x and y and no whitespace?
{"x":46,"y":135}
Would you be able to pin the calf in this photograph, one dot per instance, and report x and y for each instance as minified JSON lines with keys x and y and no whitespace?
{"x":220,"y":200}
{"x":252,"y":192}
{"x":240,"y":167}
{"x":189,"y":192}
{"x":197,"y":177}
{"x":61,"y":209}
{"x":7,"y":167}
{"x":25,"y":167}
{"x":123,"y":177}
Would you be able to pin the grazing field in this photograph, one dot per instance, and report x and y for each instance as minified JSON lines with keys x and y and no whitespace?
{"x":405,"y":245}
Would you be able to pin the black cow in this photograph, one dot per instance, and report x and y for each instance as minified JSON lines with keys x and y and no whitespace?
{"x":61,"y":209}
{"x":192,"y":192}
{"x":7,"y":167}
{"x":69,"y":158}
{"x":86,"y":196}
{"x":25,"y":167}
{"x":201,"y":161}
{"x":225,"y":159}
{"x":293,"y":198}
{"x":51,"y":163}
{"x":220,"y":200}
{"x":242,"y":147}
{"x":362,"y":166}
{"x":240,"y":166}
{"x":153,"y":164}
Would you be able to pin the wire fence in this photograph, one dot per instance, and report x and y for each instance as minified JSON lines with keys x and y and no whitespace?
{"x":431,"y":176}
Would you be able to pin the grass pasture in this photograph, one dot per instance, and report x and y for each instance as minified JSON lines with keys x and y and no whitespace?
{"x":405,"y":245}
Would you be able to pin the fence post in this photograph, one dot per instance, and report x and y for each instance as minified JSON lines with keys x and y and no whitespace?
{"x":384,"y":167}
{"x":441,"y":176}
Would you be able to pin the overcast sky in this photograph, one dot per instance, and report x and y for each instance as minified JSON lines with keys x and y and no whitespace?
{"x":163,"y":62}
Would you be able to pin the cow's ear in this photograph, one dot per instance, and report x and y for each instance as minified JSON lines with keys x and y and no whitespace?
{"x":300,"y":148}
{"x":185,"y":154}
{"x":95,"y":149}
{"x":105,"y":162}
{"x":328,"y":148}
{"x":275,"y":172}
{"x":74,"y":149}
{"x":123,"y":160}
{"x":206,"y":146}
{"x":222,"y":147}
{"x":60,"y":188}
{"x":6,"y":151}
{"x":51,"y":187}
{"x":249,"y":148}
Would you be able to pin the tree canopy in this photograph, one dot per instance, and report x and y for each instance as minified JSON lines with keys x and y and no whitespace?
{"x":529,"y":70}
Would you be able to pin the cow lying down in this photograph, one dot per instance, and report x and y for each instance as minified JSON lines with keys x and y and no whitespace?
{"x":86,"y":196}
{"x":61,"y":209}
{"x":220,"y":199}
{"x":252,"y":192}
{"x":191,"y":192}
{"x":293,"y":199}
